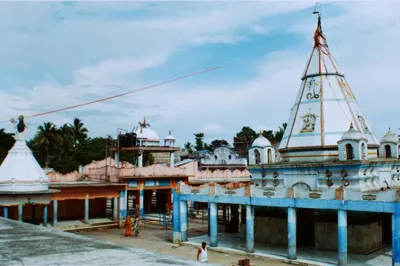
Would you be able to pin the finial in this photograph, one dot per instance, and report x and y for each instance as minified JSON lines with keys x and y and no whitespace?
{"x":351,"y":126}
{"x":389,"y":129}
{"x":261,"y":131}
{"x":318,"y":31}
{"x":144,"y":121}
{"x":169,"y":132}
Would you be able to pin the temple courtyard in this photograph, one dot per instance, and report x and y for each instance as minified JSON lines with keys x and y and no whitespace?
{"x":230,"y":247}
{"x":27,"y":244}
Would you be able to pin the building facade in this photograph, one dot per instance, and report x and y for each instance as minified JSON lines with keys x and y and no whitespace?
{"x":330,"y":181}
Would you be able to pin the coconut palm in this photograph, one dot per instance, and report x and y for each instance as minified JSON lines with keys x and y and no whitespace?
{"x":79,"y":131}
{"x":46,"y":137}
{"x":65,"y":140}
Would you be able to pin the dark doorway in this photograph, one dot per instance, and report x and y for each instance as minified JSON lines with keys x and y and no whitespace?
{"x":388,"y":151}
{"x":387,"y":229}
{"x":231,"y":218}
{"x":349,"y":152}
{"x":305,"y":228}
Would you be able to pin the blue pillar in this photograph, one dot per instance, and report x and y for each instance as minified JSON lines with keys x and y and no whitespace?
{"x":116,"y":160}
{"x":123,"y":196}
{"x":342,"y":237}
{"x":292,"y":244}
{"x":87,"y":209}
{"x":20,"y":213}
{"x":115,"y":208}
{"x":184,"y":220}
{"x":5,"y":212}
{"x":141,"y":203}
{"x":45,"y":215}
{"x":208,"y":219}
{"x":396,"y":235}
{"x":213,"y":224}
{"x":249,"y":228}
{"x":55,"y":212}
{"x":176,"y":224}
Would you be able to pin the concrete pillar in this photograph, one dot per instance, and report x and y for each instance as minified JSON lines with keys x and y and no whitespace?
{"x":342,"y":237}
{"x":213,"y":224}
{"x":140,"y":159}
{"x":115,"y":208}
{"x":172,"y":159}
{"x":55,"y":212}
{"x":123,"y":202}
{"x":116,"y":159}
{"x":184,"y":219}
{"x":5,"y":212}
{"x":141,"y":203}
{"x":249,"y":228}
{"x":45,"y":215}
{"x":21,"y":213}
{"x":176,"y":224}
{"x":292,"y":245}
{"x":396,"y":235}
{"x":87,"y":209}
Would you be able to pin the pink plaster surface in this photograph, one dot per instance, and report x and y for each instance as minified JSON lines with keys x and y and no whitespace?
{"x":100,"y":170}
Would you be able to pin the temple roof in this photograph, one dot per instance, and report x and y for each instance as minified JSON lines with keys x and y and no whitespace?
{"x":20,"y":172}
{"x":261,"y":141}
{"x":325,"y":104}
{"x":390,"y":137}
{"x":145,"y":132}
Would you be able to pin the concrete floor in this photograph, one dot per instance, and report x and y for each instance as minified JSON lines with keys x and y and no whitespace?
{"x":381,"y":257}
{"x":152,"y":237}
{"x":27,"y":244}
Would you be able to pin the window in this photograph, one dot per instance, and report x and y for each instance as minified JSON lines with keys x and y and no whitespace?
{"x":257,"y":157}
{"x":388,"y":151}
{"x":349,"y":152}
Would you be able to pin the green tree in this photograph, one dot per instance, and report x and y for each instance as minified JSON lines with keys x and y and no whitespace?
{"x":247,"y":133}
{"x":6,"y":142}
{"x":65,"y":141}
{"x":189,"y":147}
{"x":219,"y":143}
{"x":79,"y":131}
{"x":199,"y":140}
{"x":46,"y":140}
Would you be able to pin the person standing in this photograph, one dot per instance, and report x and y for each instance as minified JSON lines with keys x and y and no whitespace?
{"x":202,"y":253}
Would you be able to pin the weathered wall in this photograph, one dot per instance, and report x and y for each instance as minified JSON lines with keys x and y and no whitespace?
{"x":268,"y":230}
{"x":361,"y":237}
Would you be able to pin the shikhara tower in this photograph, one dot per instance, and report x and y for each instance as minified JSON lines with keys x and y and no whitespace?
{"x":323,"y":111}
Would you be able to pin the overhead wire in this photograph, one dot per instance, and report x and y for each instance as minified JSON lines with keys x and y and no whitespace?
{"x":121,"y":94}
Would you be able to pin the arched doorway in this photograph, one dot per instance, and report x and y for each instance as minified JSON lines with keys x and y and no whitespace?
{"x":257,"y":156}
{"x":388,"y":151}
{"x":349,"y":152}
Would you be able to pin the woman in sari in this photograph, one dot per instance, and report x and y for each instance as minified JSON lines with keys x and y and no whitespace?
{"x":128,"y":226}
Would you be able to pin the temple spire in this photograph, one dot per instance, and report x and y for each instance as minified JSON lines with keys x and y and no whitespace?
{"x":324,"y":108}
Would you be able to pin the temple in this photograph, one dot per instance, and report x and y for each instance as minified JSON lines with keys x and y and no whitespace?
{"x":330,"y":186}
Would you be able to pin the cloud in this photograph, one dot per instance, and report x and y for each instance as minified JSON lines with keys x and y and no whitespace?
{"x":83,"y":51}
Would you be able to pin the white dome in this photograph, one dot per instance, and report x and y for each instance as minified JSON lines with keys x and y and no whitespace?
{"x":169,"y":137}
{"x":352,"y":134}
{"x":390,"y":137}
{"x":261,"y":141}
{"x":148,"y":134}
{"x":20,"y":172}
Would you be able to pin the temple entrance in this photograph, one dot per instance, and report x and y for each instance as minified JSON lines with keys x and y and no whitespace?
{"x":132,"y":207}
{"x":305,"y":228}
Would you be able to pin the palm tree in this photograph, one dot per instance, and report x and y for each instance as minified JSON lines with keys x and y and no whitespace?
{"x":66,"y":141}
{"x":79,"y":131}
{"x":47,"y":138}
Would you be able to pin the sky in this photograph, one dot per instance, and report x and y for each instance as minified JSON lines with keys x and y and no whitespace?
{"x":57,"y":54}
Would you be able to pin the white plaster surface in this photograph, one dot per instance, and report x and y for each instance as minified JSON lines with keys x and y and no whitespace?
{"x":34,"y":245}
